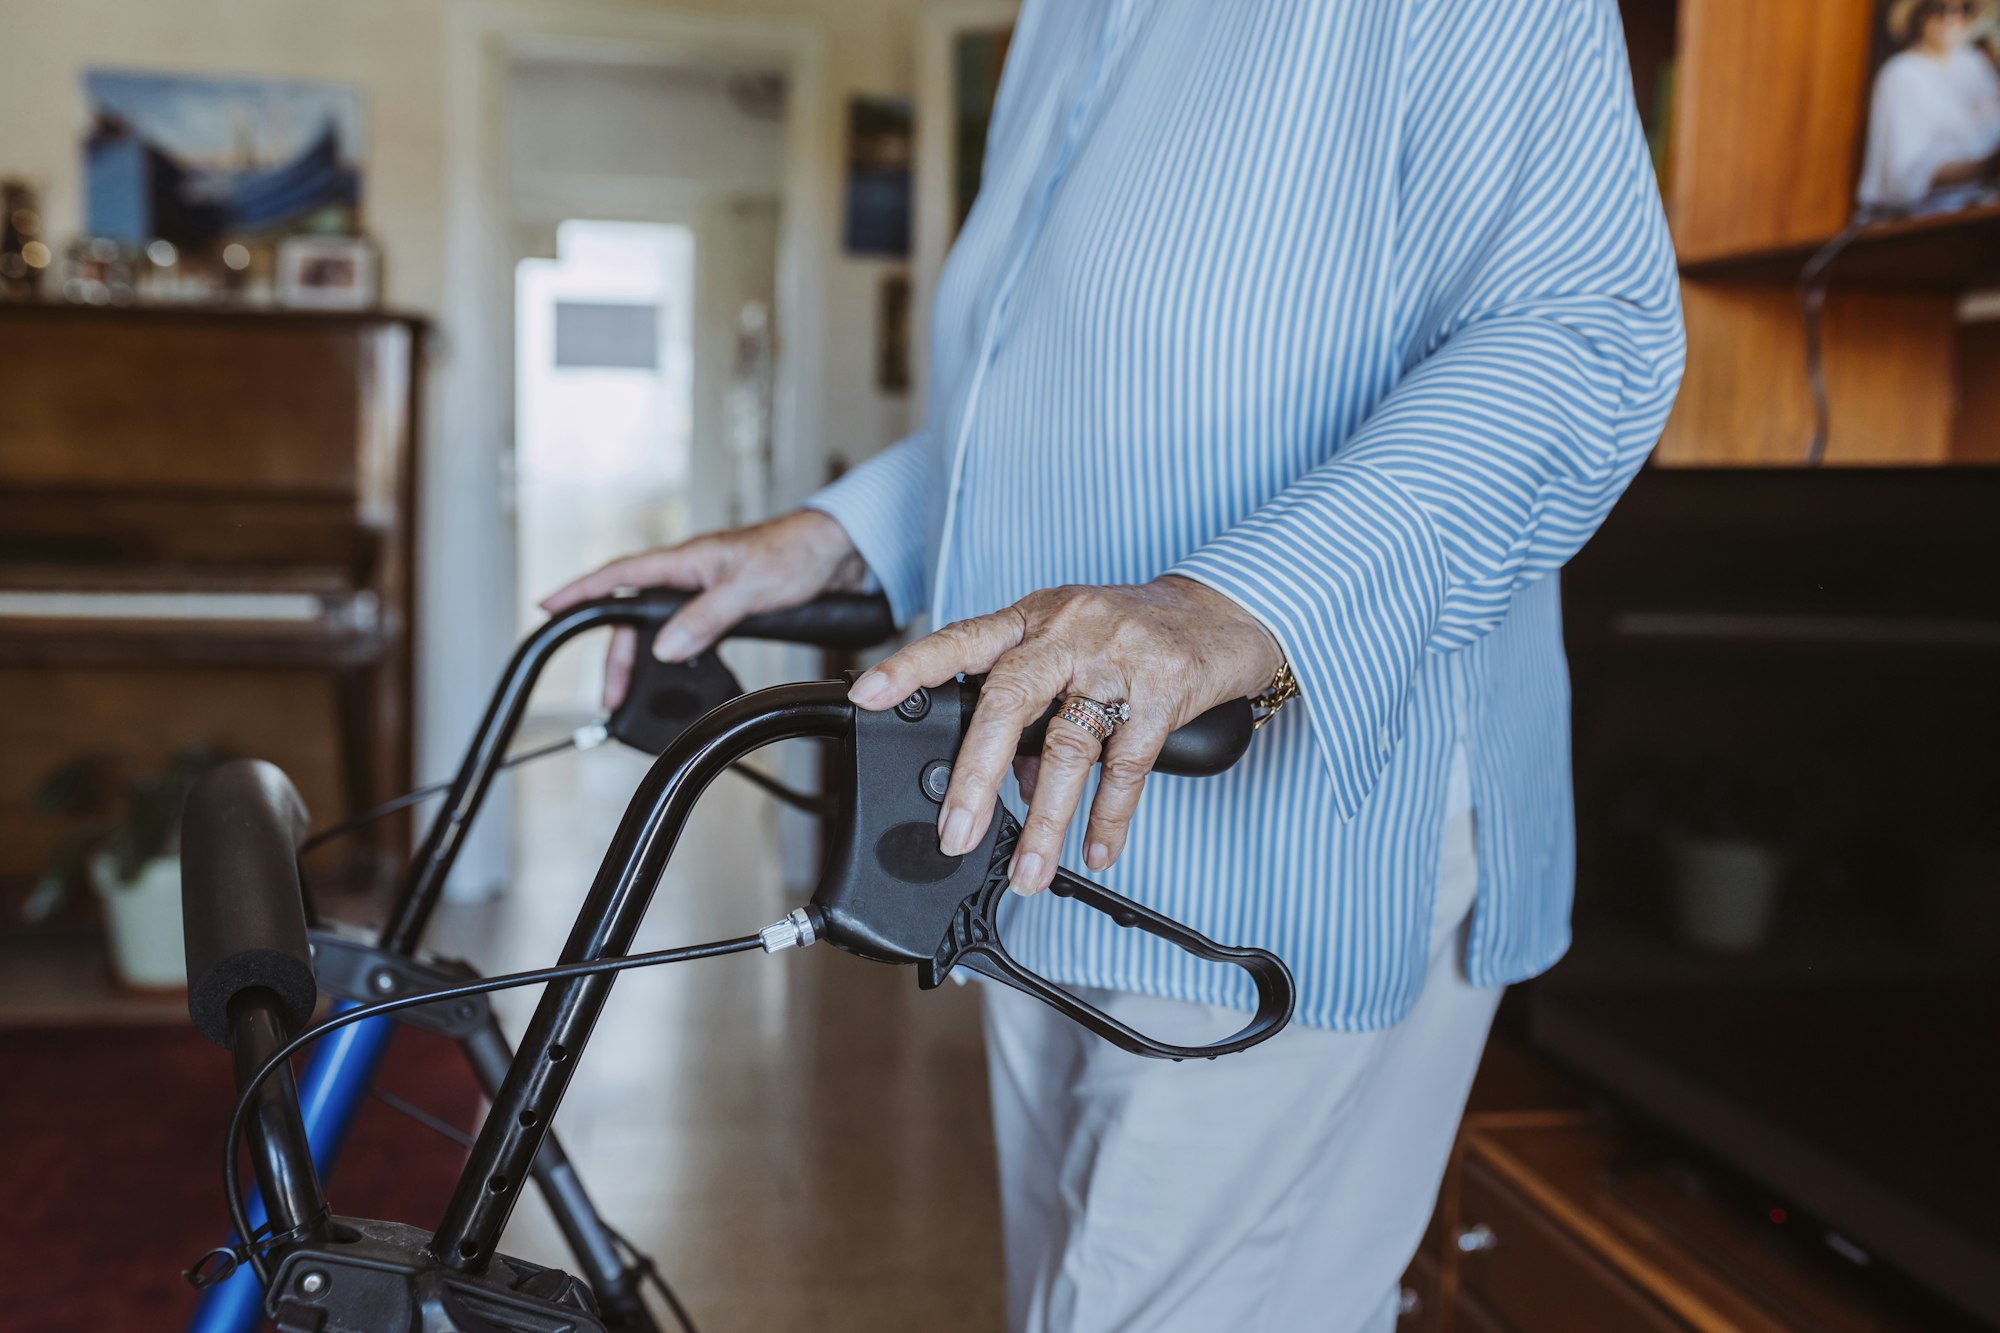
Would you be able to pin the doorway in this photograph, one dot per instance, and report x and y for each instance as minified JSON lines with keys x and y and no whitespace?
{"x":645,"y":201}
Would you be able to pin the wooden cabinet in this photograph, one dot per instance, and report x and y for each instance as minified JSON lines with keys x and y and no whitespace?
{"x":1548,"y":1222}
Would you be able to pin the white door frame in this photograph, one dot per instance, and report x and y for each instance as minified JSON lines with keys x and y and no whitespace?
{"x":465,"y":627}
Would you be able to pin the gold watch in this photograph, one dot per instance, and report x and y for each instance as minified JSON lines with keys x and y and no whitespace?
{"x":1284,"y":688}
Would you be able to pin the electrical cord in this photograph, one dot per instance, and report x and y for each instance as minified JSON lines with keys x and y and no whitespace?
{"x":1812,"y":298}
{"x":239,"y":1217}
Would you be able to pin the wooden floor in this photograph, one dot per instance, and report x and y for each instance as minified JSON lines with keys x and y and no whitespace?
{"x":801,"y":1140}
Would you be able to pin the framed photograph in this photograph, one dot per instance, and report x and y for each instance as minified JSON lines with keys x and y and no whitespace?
{"x":881,"y":143}
{"x":199,"y":160}
{"x":327,"y":273}
{"x":1933,"y":141}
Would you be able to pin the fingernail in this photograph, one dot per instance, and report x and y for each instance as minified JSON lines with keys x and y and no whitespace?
{"x":673,"y":645}
{"x":956,"y":839}
{"x":1098,"y":856}
{"x":869,"y":690}
{"x":1026,"y":871}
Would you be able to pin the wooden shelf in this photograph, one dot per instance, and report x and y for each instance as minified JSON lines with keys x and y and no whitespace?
{"x":1948,"y":252}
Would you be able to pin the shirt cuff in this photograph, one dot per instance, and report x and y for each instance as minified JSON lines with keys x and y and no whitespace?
{"x":872,"y":504}
{"x":1344,"y":569}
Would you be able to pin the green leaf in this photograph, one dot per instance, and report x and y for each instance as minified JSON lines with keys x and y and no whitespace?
{"x":72,"y":787}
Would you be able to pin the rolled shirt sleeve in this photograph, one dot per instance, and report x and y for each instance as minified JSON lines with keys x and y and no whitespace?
{"x":881,"y":503}
{"x":1545,"y":345}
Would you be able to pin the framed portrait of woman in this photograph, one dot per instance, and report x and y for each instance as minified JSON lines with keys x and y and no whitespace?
{"x":1933,"y":141}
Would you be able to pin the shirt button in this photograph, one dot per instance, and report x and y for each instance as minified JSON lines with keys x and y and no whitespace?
{"x":1382,"y":737}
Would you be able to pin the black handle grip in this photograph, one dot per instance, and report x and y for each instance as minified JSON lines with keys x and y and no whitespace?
{"x":242,"y":907}
{"x":1210,"y":744}
{"x":831,"y":620}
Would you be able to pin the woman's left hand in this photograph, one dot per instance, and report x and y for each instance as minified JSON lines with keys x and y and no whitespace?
{"x":1172,"y":649}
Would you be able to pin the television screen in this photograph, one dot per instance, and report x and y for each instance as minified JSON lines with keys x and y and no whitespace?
{"x":1787,"y":925}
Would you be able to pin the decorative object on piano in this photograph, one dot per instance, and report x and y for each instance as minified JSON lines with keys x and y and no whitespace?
{"x":100,"y":271}
{"x":327,"y":273}
{"x":124,"y":837}
{"x":24,"y":255}
{"x":1933,"y":142}
{"x":203,"y":162}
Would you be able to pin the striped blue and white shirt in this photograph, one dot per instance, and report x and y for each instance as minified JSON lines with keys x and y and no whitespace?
{"x":1362,"y":312}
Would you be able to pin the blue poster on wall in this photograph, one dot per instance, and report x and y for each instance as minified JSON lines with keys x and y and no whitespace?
{"x":199,"y":159}
{"x":880,"y":145}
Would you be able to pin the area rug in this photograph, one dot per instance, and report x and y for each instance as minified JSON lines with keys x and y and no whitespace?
{"x":109,"y":1183}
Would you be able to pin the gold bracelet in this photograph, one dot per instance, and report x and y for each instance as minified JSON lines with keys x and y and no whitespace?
{"x":1284,"y":688}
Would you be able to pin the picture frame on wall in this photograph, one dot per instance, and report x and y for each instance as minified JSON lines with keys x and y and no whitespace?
{"x":892,"y":335}
{"x":881,"y":143}
{"x":1933,"y":136}
{"x":328,"y":273}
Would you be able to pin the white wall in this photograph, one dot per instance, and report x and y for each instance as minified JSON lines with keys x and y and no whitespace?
{"x":568,"y":118}
{"x":394,"y":50}
{"x":399,"y":53}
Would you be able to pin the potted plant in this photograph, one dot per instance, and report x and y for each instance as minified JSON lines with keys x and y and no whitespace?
{"x":1728,"y":842}
{"x":124,"y":838}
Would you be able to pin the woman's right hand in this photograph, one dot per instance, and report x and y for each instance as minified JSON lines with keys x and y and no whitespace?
{"x":771,"y":566}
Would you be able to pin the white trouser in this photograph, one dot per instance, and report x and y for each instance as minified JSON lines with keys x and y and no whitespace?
{"x":1284,"y":1188}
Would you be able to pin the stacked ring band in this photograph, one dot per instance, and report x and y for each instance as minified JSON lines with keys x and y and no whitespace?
{"x":1099,"y":719}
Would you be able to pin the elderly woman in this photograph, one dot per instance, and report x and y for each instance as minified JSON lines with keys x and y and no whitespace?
{"x":1287,"y":348}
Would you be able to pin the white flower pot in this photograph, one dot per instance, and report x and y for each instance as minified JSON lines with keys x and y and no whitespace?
{"x":143,"y":918}
{"x":1725,"y":892}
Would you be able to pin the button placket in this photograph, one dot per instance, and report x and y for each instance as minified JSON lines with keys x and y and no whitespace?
{"x":1116,"y":20}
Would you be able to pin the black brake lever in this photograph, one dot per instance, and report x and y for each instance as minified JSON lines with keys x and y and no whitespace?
{"x":664,"y":698}
{"x":889,"y":894}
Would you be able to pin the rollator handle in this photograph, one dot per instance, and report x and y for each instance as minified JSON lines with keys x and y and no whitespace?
{"x":664,"y":698}
{"x":891,"y":895}
{"x":242,"y":909}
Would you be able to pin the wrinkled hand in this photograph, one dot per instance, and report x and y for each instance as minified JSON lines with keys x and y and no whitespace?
{"x":1172,"y":649}
{"x":771,"y":566}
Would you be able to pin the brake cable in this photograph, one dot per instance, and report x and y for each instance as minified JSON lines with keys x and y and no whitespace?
{"x":586,"y":737}
{"x":643,"y":1264}
{"x":239,"y":1217}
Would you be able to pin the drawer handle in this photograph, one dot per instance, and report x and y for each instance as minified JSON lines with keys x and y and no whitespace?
{"x":1475,"y":1238}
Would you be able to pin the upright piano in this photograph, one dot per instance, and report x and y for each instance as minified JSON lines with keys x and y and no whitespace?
{"x":205,"y":535}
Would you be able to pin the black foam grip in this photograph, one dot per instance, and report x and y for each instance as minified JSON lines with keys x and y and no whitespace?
{"x":241,"y":905}
{"x":1204,"y":747}
{"x":831,"y":620}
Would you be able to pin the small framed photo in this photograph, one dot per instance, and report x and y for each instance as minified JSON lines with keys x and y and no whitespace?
{"x":327,"y":273}
{"x":1933,"y":142}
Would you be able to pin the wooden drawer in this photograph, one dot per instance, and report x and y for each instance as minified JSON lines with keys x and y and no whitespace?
{"x":1469,"y":1316}
{"x":1422,"y":1297}
{"x":1536,"y":1278}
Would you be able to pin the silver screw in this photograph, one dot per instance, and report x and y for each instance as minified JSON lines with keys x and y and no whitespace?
{"x":313,"y":1283}
{"x":383,"y":982}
